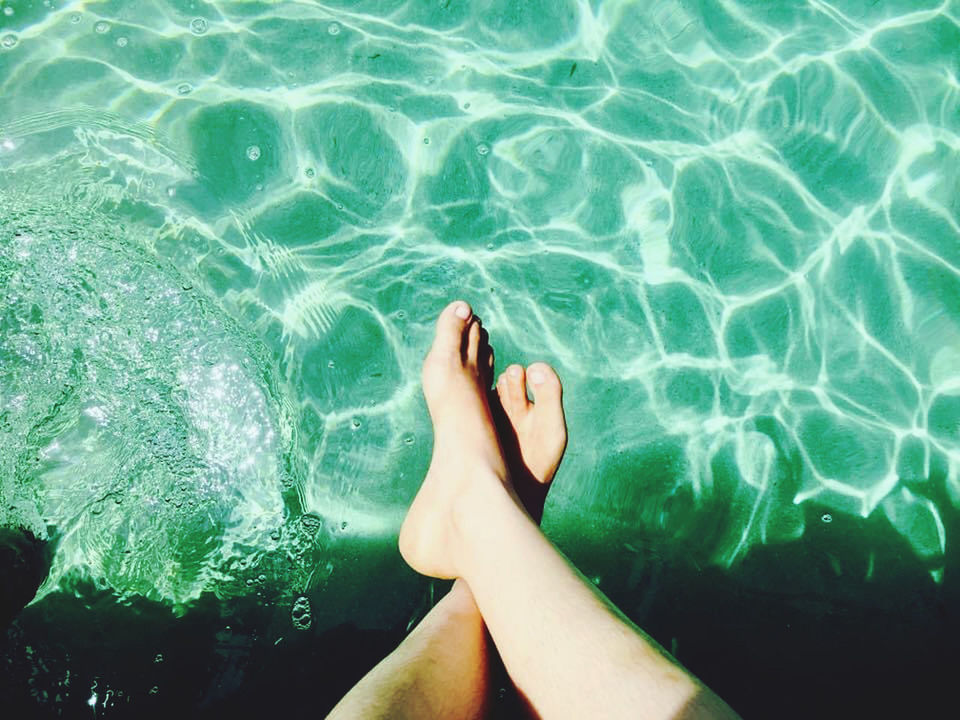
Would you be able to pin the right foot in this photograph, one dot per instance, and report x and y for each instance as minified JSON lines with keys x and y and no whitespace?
{"x":466,"y":450}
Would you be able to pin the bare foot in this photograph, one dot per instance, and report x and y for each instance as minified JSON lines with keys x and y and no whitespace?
{"x":466,"y":450}
{"x":533,"y":435}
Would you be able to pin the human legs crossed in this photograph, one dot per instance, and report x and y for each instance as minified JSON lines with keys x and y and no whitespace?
{"x":441,"y":670}
{"x":566,"y":647}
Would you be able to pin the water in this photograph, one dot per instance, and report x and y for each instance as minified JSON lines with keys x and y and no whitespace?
{"x":226,"y":229}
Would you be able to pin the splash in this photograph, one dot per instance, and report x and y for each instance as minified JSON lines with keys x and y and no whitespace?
{"x":142,"y":430}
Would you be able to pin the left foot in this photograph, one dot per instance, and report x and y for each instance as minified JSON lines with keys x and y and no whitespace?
{"x":533,"y":435}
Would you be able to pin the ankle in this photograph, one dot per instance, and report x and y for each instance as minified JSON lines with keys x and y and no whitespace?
{"x":482,"y":508}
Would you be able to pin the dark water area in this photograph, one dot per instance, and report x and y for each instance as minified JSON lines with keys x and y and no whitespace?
{"x":819,"y":646}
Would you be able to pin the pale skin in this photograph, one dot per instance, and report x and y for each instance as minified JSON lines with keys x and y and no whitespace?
{"x":569,"y":652}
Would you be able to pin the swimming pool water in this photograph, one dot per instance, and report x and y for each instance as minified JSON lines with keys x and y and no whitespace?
{"x":226,"y":230}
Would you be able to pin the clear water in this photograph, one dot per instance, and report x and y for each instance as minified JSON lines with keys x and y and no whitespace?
{"x":226,"y":230}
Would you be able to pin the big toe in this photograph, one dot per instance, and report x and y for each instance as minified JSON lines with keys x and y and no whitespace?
{"x":546,"y":390}
{"x":451,"y":324}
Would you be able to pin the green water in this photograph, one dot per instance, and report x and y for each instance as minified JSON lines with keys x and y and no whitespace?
{"x":226,"y":230}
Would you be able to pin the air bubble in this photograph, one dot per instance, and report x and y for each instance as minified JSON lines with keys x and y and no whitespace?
{"x":466,"y":106}
{"x":331,"y":364}
{"x":184,"y":88}
{"x":827,"y":518}
{"x":8,"y":11}
{"x":158,"y":658}
{"x":253,"y":152}
{"x":102,"y":27}
{"x":426,"y":141}
{"x":408,"y":439}
{"x":122,"y":41}
{"x":343,"y":525}
{"x":8,"y":41}
{"x":198,"y":26}
{"x":333,"y":28}
{"x":301,"y":614}
{"x":171,"y":191}
{"x":483,"y":149}
{"x":75,"y":18}
{"x":355,"y":423}
{"x":310,"y":172}
{"x":97,"y":509}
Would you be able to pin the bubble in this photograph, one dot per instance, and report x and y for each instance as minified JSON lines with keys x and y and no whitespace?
{"x":171,"y":191}
{"x":483,"y":149}
{"x":9,"y":41}
{"x":426,"y":141}
{"x":333,"y":28}
{"x":408,"y":439}
{"x":97,"y":509}
{"x":184,"y":88}
{"x":343,"y":525}
{"x":466,"y":106}
{"x":122,"y":41}
{"x":275,"y":535}
{"x":198,"y":26}
{"x":253,"y":152}
{"x":355,"y":423}
{"x":301,"y":614}
{"x":158,"y":658}
{"x":74,"y":18}
{"x":8,"y":11}
{"x":310,"y":172}
{"x":310,"y":523}
{"x":102,"y":27}
{"x":827,"y":518}
{"x":331,"y":364}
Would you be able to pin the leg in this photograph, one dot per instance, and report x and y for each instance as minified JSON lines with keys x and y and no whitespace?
{"x":442,"y":668}
{"x":568,"y":650}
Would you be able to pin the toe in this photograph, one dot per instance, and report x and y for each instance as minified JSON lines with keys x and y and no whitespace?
{"x":450,"y":328}
{"x":473,"y":344}
{"x":516,"y":388}
{"x":545,"y":386}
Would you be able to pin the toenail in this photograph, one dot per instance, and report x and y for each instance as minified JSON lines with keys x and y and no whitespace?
{"x":463,"y":312}
{"x":514,"y":372}
{"x":537,"y":376}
